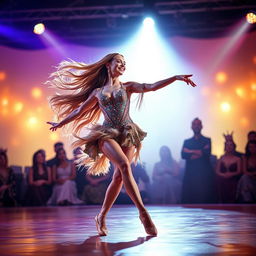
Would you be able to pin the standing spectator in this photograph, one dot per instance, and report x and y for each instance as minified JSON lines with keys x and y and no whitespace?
{"x":64,"y":173}
{"x":39,"y":179}
{"x":229,"y":168}
{"x":7,"y":184}
{"x":166,"y":185}
{"x":246,"y":192}
{"x":198,"y":181}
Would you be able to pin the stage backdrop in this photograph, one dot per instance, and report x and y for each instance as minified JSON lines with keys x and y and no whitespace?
{"x":224,"y":70}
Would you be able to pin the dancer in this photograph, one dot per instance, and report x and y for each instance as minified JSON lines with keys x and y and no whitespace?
{"x":95,"y":89}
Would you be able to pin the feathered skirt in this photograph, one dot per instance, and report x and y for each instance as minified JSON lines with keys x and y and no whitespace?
{"x":92,"y":157}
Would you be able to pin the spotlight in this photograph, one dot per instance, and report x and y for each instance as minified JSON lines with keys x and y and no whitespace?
{"x":148,"y":22}
{"x":39,"y":28}
{"x":251,"y":17}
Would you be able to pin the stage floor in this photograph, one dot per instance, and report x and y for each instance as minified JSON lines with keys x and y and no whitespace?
{"x":183,"y":230}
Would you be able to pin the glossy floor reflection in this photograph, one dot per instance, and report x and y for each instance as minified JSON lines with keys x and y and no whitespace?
{"x":183,"y":230}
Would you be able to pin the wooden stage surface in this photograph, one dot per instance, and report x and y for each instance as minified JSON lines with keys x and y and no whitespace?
{"x":183,"y":230}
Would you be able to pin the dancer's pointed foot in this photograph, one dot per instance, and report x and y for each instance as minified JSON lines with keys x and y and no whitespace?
{"x":148,"y":224}
{"x":101,"y":226}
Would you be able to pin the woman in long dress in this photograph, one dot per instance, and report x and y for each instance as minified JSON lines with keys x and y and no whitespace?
{"x":64,"y":190}
{"x":94,"y":90}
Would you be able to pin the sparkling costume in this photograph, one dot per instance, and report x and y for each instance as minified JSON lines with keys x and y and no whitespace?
{"x":117,"y":125}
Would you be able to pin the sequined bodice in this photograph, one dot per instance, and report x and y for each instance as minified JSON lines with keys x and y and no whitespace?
{"x":115,"y":108}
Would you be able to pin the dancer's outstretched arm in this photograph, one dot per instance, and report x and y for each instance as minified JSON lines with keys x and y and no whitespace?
{"x":74,"y":114}
{"x":145,"y":87}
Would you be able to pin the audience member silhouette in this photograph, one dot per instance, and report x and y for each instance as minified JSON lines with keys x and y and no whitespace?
{"x":39,"y":179}
{"x":229,"y":168}
{"x":95,"y":189}
{"x":198,"y":181}
{"x":166,"y":187}
{"x":54,"y":160}
{"x":142,"y":179}
{"x":251,"y":136}
{"x":64,"y":189}
{"x":7,"y":183}
{"x":246,"y":191}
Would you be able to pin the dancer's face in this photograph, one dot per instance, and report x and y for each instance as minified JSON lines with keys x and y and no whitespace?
{"x":117,"y":66}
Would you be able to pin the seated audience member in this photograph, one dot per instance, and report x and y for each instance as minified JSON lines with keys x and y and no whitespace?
{"x":7,"y":184}
{"x":54,"y":160}
{"x":251,"y":136}
{"x":142,"y":179}
{"x":39,"y":179}
{"x":229,"y":137}
{"x":166,"y":187}
{"x":246,"y":191}
{"x":95,"y":188}
{"x":64,"y":189}
{"x":80,"y":173}
{"x":229,"y":168}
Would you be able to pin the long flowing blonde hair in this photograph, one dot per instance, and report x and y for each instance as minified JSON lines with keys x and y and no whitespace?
{"x":78,"y":80}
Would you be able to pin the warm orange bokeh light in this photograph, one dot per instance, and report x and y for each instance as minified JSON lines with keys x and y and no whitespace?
{"x":32,"y":122}
{"x":254,"y":59}
{"x":244,"y":122}
{"x":5,"y":102}
{"x":2,"y":75}
{"x":18,"y":106}
{"x":253,"y":86}
{"x":225,"y":107}
{"x":54,"y":136}
{"x":240,"y":92}
{"x":221,"y":77}
{"x":36,"y":93}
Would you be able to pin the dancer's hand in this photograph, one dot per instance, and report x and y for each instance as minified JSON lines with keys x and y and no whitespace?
{"x":186,"y":78}
{"x":55,"y":126}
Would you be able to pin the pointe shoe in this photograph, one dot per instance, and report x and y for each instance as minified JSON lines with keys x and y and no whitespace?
{"x":148,"y":224}
{"x":101,"y":228}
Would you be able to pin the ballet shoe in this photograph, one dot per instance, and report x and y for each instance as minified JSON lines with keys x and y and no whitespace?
{"x":148,"y":224}
{"x":101,"y":228}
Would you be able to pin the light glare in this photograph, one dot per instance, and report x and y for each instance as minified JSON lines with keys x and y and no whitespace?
{"x":36,"y":93}
{"x":225,"y":107}
{"x":221,"y":77}
{"x":148,"y":22}
{"x":39,"y":28}
{"x":251,"y":17}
